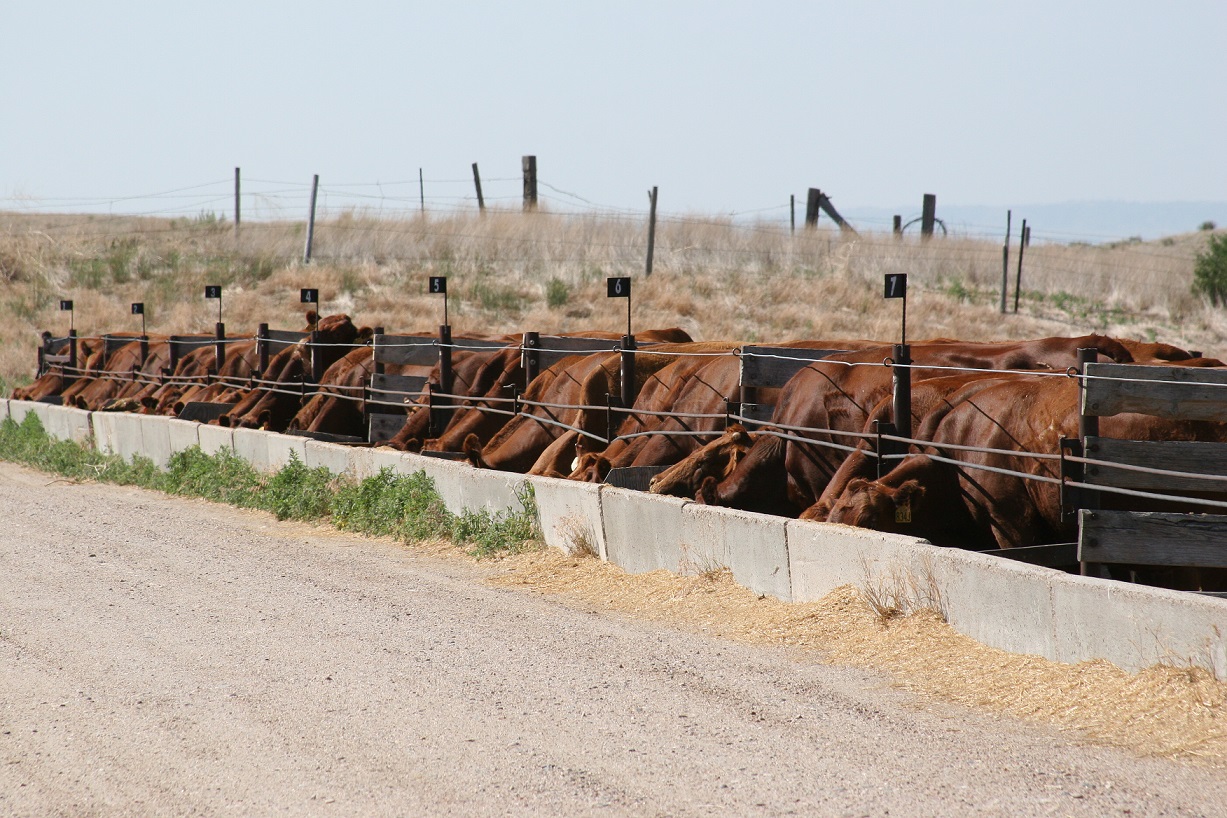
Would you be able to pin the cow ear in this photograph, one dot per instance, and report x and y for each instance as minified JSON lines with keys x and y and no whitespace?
{"x":312,"y":317}
{"x":856,"y":484}
{"x":364,"y":335}
{"x":910,"y":492}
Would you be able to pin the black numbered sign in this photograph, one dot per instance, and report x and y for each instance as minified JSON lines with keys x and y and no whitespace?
{"x":138,"y":308}
{"x":213,"y":291}
{"x":619,"y":287}
{"x":309,"y":296}
{"x":896,"y":285}
{"x":66,"y":305}
{"x":438,"y":285}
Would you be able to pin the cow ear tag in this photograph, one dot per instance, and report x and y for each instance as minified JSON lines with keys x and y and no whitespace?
{"x":903,"y":513}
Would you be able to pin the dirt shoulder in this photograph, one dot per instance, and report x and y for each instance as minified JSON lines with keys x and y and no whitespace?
{"x":160,"y":655}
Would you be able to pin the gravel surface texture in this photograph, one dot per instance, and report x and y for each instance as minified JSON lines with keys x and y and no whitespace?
{"x":161,"y":656}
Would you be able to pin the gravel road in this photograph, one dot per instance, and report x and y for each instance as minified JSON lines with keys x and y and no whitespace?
{"x":161,"y":656}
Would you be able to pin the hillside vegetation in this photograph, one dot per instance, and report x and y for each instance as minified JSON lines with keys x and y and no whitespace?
{"x":514,"y":271}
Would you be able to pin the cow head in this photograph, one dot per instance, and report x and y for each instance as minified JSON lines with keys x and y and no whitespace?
{"x":715,"y":460}
{"x":877,"y":505}
{"x":591,"y":467}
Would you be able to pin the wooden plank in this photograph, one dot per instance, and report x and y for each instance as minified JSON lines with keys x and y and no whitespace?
{"x":1189,"y":393}
{"x":774,"y":366}
{"x":204,"y":411}
{"x":397,"y":388}
{"x":1058,"y":555}
{"x":384,"y":427}
{"x":406,"y":350}
{"x":279,"y":339}
{"x":1175,"y":455}
{"x":1152,"y":538}
{"x":633,"y":477}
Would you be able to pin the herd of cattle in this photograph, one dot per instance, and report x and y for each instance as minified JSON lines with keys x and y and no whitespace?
{"x":972,"y":404}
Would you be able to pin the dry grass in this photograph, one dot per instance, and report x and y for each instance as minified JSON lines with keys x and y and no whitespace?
{"x":1177,"y":712}
{"x":714,"y":278}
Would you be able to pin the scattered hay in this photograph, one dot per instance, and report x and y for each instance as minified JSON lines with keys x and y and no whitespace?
{"x":1175,"y":712}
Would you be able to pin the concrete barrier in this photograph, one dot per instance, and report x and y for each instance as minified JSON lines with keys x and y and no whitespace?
{"x":4,"y":409}
{"x":59,"y":422}
{"x":643,"y":532}
{"x":155,"y":437}
{"x":252,"y":446}
{"x":214,"y":439}
{"x":280,"y":447}
{"x":184,"y":434}
{"x":1135,"y":626}
{"x":571,"y":517}
{"x":331,"y":456}
{"x":119,"y":433}
{"x":753,"y":546}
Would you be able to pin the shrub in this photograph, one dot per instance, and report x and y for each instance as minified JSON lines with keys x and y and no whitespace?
{"x":1207,"y":225}
{"x":557,"y":293}
{"x":1210,"y":271}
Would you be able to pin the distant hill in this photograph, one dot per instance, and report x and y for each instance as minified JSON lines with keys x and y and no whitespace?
{"x":1093,"y":222}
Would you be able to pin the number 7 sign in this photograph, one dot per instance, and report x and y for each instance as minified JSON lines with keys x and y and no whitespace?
{"x":896,"y":285}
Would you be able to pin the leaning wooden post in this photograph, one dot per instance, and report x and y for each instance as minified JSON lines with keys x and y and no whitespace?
{"x":928,"y":216}
{"x":897,"y":226}
{"x":219,"y":350}
{"x":901,"y":375}
{"x":481,"y":202}
{"x":1022,"y":245}
{"x":811,"y":208}
{"x":528,"y":165}
{"x":531,"y":360}
{"x":315,"y":186}
{"x":651,"y":229}
{"x":628,"y":371}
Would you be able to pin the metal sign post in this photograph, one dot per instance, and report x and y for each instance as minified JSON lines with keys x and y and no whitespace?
{"x":620,"y":287}
{"x":215,"y":291}
{"x":138,"y":308}
{"x":901,"y":373}
{"x":66,"y":304}
{"x":438,"y":286}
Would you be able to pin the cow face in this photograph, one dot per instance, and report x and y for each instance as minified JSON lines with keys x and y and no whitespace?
{"x":874,"y":504}
{"x":716,"y":460}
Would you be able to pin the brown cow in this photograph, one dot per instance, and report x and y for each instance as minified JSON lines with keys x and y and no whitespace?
{"x":273,"y":406}
{"x":52,"y":382}
{"x":960,"y":505}
{"x":838,"y":393}
{"x":580,"y":383}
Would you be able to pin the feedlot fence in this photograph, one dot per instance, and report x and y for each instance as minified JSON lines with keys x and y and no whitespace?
{"x":1087,"y":469}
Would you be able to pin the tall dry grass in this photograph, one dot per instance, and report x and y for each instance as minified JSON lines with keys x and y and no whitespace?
{"x":512,"y":271}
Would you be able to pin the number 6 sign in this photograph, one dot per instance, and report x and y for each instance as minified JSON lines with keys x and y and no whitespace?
{"x":619,"y":287}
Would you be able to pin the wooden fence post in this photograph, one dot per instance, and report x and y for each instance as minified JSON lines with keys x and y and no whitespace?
{"x":531,"y":357}
{"x":628,"y":371}
{"x":1022,"y":245}
{"x":315,"y":186}
{"x":237,"y":210}
{"x":651,"y":229}
{"x":219,"y":350}
{"x":439,"y":405}
{"x":481,"y":202}
{"x":811,"y":208}
{"x":261,"y":349}
{"x":792,"y":213}
{"x":422,"y":189}
{"x":529,"y":166}
{"x":897,"y":227}
{"x":901,"y":374}
{"x":928,"y":215}
{"x":72,"y":352}
{"x":1005,"y":261}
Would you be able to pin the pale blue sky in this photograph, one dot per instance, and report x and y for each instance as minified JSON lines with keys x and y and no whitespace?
{"x":726,"y":106}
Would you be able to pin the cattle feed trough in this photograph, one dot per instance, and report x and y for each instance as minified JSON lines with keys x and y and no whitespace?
{"x":761,"y":368}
